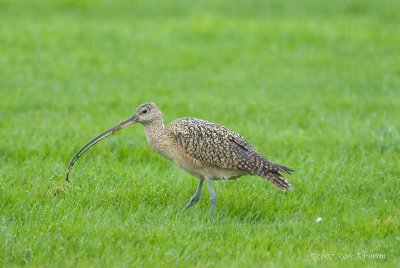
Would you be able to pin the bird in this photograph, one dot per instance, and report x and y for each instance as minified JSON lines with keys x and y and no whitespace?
{"x":204,"y":149}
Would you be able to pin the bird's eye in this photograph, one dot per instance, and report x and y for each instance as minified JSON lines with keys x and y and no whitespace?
{"x":144,"y":111}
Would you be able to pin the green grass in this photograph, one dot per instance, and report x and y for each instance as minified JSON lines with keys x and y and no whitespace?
{"x":313,"y":85}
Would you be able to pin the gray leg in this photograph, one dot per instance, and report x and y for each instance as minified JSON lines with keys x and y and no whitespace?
{"x":213,"y":197}
{"x":196,"y":196}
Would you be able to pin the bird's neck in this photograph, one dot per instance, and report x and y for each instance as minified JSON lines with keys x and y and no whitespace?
{"x":154,"y":130}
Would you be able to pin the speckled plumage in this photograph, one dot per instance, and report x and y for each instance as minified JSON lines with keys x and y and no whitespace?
{"x":209,"y":144}
{"x":206,"y":150}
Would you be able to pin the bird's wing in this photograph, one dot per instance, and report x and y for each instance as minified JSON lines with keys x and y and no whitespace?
{"x":213,"y":144}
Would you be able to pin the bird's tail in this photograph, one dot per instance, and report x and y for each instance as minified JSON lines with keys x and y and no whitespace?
{"x":272,"y":172}
{"x":264,"y":168}
{"x":281,"y":168}
{"x":278,"y":180}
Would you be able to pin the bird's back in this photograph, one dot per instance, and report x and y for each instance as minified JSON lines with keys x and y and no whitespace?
{"x":211,"y":145}
{"x":208,"y":142}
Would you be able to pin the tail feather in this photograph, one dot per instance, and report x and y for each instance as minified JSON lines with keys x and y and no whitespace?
{"x":278,"y":180}
{"x":283,"y":168}
{"x":271,"y":171}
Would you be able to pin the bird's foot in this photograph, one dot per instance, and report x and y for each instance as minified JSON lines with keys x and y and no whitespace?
{"x":192,"y":201}
{"x":196,"y":197}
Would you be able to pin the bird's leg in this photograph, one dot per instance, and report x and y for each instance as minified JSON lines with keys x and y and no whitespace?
{"x":213,"y":197}
{"x":196,"y":196}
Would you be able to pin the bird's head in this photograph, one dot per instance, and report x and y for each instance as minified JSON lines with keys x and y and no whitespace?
{"x":146,"y":113}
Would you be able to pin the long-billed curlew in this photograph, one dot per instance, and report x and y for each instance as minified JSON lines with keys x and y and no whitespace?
{"x":204,"y":149}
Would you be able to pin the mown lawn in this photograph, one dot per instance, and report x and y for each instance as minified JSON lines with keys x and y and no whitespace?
{"x":313,"y":85}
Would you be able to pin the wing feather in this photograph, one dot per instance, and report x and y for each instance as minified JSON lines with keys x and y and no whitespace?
{"x":212,"y":144}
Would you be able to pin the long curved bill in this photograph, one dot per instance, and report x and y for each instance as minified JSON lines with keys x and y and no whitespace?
{"x":98,"y":138}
